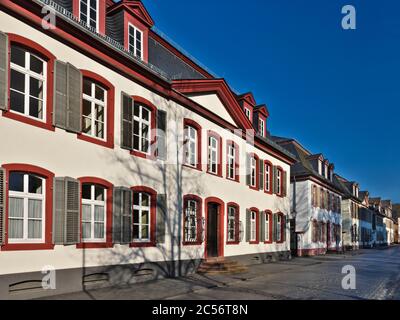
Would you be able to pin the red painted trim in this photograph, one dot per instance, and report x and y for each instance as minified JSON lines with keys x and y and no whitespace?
{"x":195,"y":125}
{"x":237,"y":164}
{"x":49,"y":176}
{"x":75,"y":8}
{"x":271,"y":168}
{"x":153,"y":139}
{"x":153,"y":212}
{"x":221,"y":227}
{"x":237,"y":222}
{"x":199,"y":219}
{"x":248,"y":97}
{"x":109,"y":142}
{"x":215,"y":135}
{"x":109,"y":213}
{"x":49,"y":58}
{"x":129,"y":19}
{"x":271,"y":222}
{"x":136,"y":8}
{"x":257,"y":225}
{"x":257,"y":186}
{"x":283,"y":227}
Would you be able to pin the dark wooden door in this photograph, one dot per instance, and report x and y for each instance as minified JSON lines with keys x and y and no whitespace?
{"x":212,"y":231}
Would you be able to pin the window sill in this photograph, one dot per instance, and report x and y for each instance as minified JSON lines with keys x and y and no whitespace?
{"x":254,"y":188}
{"x":188,"y":244}
{"x":32,"y":122}
{"x":268,"y":192}
{"x":231,"y":243}
{"x":107,"y":144}
{"x":198,"y":168}
{"x":142,"y":244}
{"x":27,"y":246}
{"x":94,"y":245}
{"x":254,"y":242}
{"x":268,"y":242}
{"x":233,"y":180}
{"x":143,"y":155}
{"x":214,"y":174}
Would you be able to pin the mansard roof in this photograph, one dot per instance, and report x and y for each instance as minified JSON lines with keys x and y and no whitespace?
{"x":346,"y":186}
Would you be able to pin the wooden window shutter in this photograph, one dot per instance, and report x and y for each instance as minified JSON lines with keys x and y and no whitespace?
{"x":248,"y":170}
{"x":59,"y":211}
{"x":74,"y":111}
{"x":284,"y":184}
{"x":60,"y":103}
{"x":261,"y":175}
{"x":126,"y":121}
{"x":4,"y":57}
{"x":284,"y":221}
{"x":262,"y":226}
{"x":2,"y":205}
{"x":318,"y":200}
{"x":237,"y":225}
{"x":161,"y":151}
{"x":275,"y":227}
{"x":274,"y":179}
{"x":161,"y":218}
{"x":248,"y":225}
{"x":122,"y":215}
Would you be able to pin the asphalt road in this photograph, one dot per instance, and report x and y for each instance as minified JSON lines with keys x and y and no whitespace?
{"x":377,"y":276}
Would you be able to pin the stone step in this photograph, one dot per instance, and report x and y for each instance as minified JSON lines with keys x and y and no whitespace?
{"x":220,"y":266}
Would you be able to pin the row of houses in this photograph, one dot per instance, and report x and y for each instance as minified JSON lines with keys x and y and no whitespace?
{"x":125,"y":160}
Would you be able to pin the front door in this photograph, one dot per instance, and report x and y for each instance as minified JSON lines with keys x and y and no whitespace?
{"x":212,"y":230}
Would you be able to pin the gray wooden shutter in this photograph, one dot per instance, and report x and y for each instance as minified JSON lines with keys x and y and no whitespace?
{"x":2,"y":205}
{"x":122,"y":215}
{"x":4,"y":57}
{"x":261,"y":174}
{"x":262,"y":226}
{"x":284,"y":221}
{"x":248,"y":171}
{"x":274,"y":179}
{"x":59,"y":211}
{"x":60,"y":95}
{"x":72,"y":211}
{"x":74,"y":111}
{"x":318,"y":202}
{"x":126,"y":121}
{"x":248,"y":226}
{"x":161,"y":218}
{"x":284,"y":184}
{"x":274,"y":227}
{"x":161,"y":135}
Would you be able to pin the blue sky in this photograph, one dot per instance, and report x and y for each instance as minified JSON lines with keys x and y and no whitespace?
{"x":337,"y":92}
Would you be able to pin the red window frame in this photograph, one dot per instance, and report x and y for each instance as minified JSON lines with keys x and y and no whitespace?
{"x":257,"y":186}
{"x":49,"y":177}
{"x":109,"y":213}
{"x":269,"y":214}
{"x":199,"y":215}
{"x":257,"y":211}
{"x":271,"y":181}
{"x":237,"y":164}
{"x":195,"y":125}
{"x":237,"y":222}
{"x":110,"y":105}
{"x":50,"y":59}
{"x":153,"y":211}
{"x":215,"y":135}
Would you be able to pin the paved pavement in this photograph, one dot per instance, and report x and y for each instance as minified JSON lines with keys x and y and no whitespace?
{"x":377,"y":277}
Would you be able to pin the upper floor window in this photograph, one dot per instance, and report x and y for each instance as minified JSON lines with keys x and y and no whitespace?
{"x":141,"y":217}
{"x":89,"y":13}
{"x":214,"y":153}
{"x":191,"y":147}
{"x":261,"y":127}
{"x":231,"y":162}
{"x":253,"y":171}
{"x":320,"y":167}
{"x":28,"y":83}
{"x":94,"y":109}
{"x":314,"y":196}
{"x":268,"y":177}
{"x":248,"y":113}
{"x":93,"y":213}
{"x":135,"y":41}
{"x":141,"y":128}
{"x":279,"y":178}
{"x":322,"y":200}
{"x":26,"y":215}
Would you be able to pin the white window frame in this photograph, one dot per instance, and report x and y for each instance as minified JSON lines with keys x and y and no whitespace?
{"x":88,"y":14}
{"x":248,"y":113}
{"x":139,"y":223}
{"x":142,"y":122}
{"x":136,"y":29}
{"x":253,"y":226}
{"x":189,"y":222}
{"x":231,"y":217}
{"x":213,"y":154}
{"x":95,"y":203}
{"x":279,"y":228}
{"x":279,"y":181}
{"x":261,"y":127}
{"x":253,"y":171}
{"x":26,"y":196}
{"x":267,"y":234}
{"x":189,"y":142}
{"x":27,"y":75}
{"x":231,"y":162}
{"x":93,"y":101}
{"x":268,"y":173}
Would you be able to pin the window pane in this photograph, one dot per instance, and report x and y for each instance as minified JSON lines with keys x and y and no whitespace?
{"x":99,"y":213}
{"x":145,"y":200}
{"x":16,"y":209}
{"x":34,"y":229}
{"x":16,"y":181}
{"x":145,"y":217}
{"x":36,"y":88}
{"x":36,"y":108}
{"x":86,"y":191}
{"x":99,"y":193}
{"x":136,"y":199}
{"x":99,"y":129}
{"x":18,"y":56}
{"x":86,"y":230}
{"x":145,"y":114}
{"x":86,"y":212}
{"x":136,"y":216}
{"x":99,"y":112}
{"x":99,"y":230}
{"x":99,"y":93}
{"x":145,"y":232}
{"x":136,"y":110}
{"x":35,"y":208}
{"x":86,"y":125}
{"x":17,"y":101}
{"x":136,"y":231}
{"x":36,"y":65}
{"x":35,"y":185}
{"x":15,"y":228}
{"x":17,"y":81}
{"x":87,"y":87}
{"x":87,"y":108}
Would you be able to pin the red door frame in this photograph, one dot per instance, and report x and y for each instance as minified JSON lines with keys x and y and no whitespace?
{"x":221,"y":225}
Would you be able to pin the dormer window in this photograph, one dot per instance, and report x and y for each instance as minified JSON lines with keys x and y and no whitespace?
{"x":261,"y":127}
{"x":248,"y":113}
{"x":320,"y":167}
{"x":135,"y":41}
{"x":89,"y":13}
{"x":326,"y":171}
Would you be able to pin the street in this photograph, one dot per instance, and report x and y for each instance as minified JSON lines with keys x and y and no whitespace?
{"x":377,"y":277}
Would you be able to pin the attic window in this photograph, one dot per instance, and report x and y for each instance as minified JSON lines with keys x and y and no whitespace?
{"x":320,"y":167}
{"x":261,"y":127}
{"x":248,"y":113}
{"x":89,"y":13}
{"x":135,"y":41}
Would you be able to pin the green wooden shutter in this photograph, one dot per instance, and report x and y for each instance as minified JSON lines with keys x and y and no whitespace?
{"x":4,"y":57}
{"x":122,"y":215}
{"x":74,"y":111}
{"x":58,"y":211}
{"x":161,"y":152}
{"x":60,"y":103}
{"x":261,"y":174}
{"x":2,"y":205}
{"x":126,"y":121}
{"x":161,"y":218}
{"x":262,"y":226}
{"x":72,"y":211}
{"x":248,"y":225}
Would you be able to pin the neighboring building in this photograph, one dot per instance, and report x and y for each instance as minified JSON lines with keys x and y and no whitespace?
{"x":386,"y":208}
{"x":396,"y":217}
{"x":315,"y":202}
{"x":367,"y":221}
{"x":122,"y":159}
{"x":381,"y":233}
{"x":351,"y":203}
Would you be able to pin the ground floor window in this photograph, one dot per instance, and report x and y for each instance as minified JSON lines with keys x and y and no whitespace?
{"x":93,"y":213}
{"x":141,"y":216}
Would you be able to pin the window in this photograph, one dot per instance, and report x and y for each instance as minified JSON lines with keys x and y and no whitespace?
{"x":93,"y":213}
{"x":279,"y":175}
{"x":231,"y":163}
{"x":28,"y":84}
{"x":141,"y":128}
{"x":232,"y":211}
{"x":214,"y":154}
{"x":253,"y":172}
{"x":253,"y":226}
{"x":26,"y":214}
{"x":141,"y":217}
{"x":314,"y":196}
{"x":268,"y":222}
{"x":322,"y":195}
{"x":279,"y":228}
{"x":268,"y":177}
{"x":261,"y":127}
{"x":320,"y":167}
{"x":135,"y":41}
{"x":191,"y":147}
{"x":89,"y":13}
{"x":315,"y":231}
{"x":94,"y":109}
{"x":191,"y":216}
{"x":248,"y":113}
{"x":328,"y":195}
